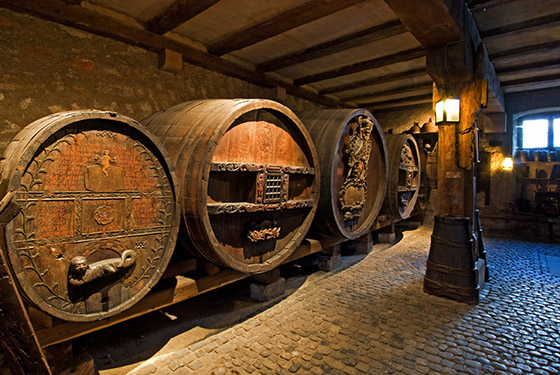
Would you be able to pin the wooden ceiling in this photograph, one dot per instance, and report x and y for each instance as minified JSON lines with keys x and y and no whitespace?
{"x":337,"y":52}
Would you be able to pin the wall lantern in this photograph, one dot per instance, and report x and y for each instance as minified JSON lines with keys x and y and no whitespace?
{"x":507,"y":164}
{"x":448,"y":110}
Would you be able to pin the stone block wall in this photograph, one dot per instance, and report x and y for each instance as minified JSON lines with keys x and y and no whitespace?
{"x":46,"y":67}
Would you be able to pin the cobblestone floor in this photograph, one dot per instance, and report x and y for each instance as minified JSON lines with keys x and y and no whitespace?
{"x":373,"y":318}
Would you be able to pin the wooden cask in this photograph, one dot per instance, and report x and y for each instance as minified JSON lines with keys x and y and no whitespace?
{"x":99,"y":217}
{"x":404,"y":176}
{"x":248,"y":175}
{"x":353,"y":161}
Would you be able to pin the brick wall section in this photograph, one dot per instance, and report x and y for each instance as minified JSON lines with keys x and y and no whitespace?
{"x":47,"y":67}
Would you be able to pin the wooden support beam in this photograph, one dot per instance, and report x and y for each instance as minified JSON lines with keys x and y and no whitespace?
{"x":375,"y":81}
{"x":534,"y":24}
{"x":406,"y":107}
{"x":433,"y":22}
{"x":393,"y":91}
{"x":388,"y":103}
{"x":529,"y":80}
{"x":481,"y":5}
{"x":535,"y":67}
{"x":176,"y":14}
{"x":100,"y":24}
{"x":514,"y":53}
{"x":407,"y":55}
{"x":278,"y":24}
{"x":357,"y":39}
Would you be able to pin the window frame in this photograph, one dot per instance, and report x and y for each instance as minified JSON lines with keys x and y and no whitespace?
{"x":550,"y":117}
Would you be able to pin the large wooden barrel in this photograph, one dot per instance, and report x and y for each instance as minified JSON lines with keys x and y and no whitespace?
{"x":404,"y":175}
{"x":249,"y":179}
{"x":99,"y":216}
{"x":353,"y":161}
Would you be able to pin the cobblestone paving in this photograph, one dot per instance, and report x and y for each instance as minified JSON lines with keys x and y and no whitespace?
{"x":373,"y":318}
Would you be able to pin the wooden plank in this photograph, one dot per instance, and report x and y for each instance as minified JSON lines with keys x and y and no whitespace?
{"x":100,"y":24}
{"x":406,"y":107}
{"x":534,"y":67}
{"x":292,"y":18}
{"x":378,"y":104}
{"x":397,"y":90}
{"x":357,"y":39}
{"x":375,"y":81}
{"x":363,"y":65}
{"x":166,"y":293}
{"x":533,"y":24}
{"x":530,"y":80}
{"x":176,"y":14}
{"x":483,"y":5}
{"x":512,"y":54}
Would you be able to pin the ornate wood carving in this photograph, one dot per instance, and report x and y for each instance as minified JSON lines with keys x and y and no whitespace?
{"x":241,"y":207}
{"x":251,"y":167}
{"x":265,"y":230}
{"x":352,"y":194}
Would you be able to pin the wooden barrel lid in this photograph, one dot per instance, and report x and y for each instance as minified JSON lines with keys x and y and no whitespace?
{"x":99,"y":216}
{"x":353,"y":159}
{"x":249,"y":179}
{"x":404,"y":175}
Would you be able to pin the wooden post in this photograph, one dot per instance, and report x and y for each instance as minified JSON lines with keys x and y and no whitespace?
{"x":457,"y":150}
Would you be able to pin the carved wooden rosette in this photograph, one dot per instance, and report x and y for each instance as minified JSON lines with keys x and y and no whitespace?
{"x":250,"y":179}
{"x":353,"y":169}
{"x":99,"y":219}
{"x":404,"y":176}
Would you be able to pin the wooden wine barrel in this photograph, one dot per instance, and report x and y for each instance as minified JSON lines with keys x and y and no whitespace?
{"x":249,"y":179}
{"x":404,"y":175}
{"x":100,"y":213}
{"x":353,"y":161}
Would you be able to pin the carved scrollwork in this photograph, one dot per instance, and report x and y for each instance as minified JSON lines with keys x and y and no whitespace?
{"x":262,"y":231}
{"x":242,"y":207}
{"x":252,"y":167}
{"x":352,"y":194}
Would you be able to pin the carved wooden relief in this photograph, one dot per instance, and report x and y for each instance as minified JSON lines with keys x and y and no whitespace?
{"x":97,"y":218}
{"x":352,"y":194}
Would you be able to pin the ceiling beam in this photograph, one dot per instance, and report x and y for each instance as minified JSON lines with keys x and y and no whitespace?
{"x":375,"y":81}
{"x":523,"y":51}
{"x":176,"y":14}
{"x":530,"y":80}
{"x":481,"y":5}
{"x":307,"y":12}
{"x":425,"y":98}
{"x":356,"y":39}
{"x":531,"y":67}
{"x":405,"y":108}
{"x":407,"y":55}
{"x":533,"y":24}
{"x":100,"y":24}
{"x":432,"y":22}
{"x":393,"y":91}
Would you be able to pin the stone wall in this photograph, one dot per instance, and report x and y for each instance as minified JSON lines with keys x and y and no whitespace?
{"x":400,"y":120}
{"x":47,"y":67}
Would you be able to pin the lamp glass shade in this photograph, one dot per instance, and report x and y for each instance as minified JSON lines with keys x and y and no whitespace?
{"x":507,"y":164}
{"x":439,"y":111}
{"x":452,"y":110}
